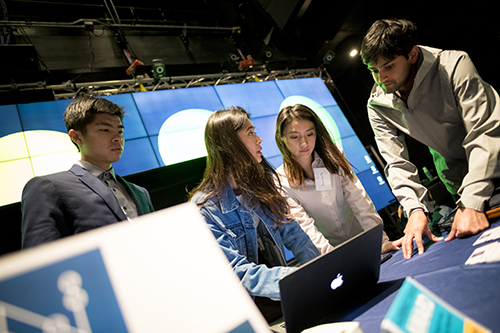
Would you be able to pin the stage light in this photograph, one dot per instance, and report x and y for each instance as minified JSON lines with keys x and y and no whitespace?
{"x":89,"y":26}
{"x":353,"y":53}
{"x":329,"y":56}
{"x":233,"y":57}
{"x":267,"y":55}
{"x":158,"y":69}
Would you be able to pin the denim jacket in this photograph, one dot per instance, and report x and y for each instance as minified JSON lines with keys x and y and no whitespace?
{"x":233,"y":227}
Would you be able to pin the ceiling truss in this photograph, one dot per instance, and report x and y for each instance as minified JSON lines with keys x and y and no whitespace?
{"x":70,"y":89}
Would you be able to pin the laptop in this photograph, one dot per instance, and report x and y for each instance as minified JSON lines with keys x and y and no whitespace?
{"x":328,"y":288}
{"x":127,"y":278}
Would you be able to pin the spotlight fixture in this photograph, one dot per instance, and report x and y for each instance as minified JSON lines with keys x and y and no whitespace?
{"x":267,"y":55}
{"x":158,"y":69}
{"x":353,"y":53}
{"x":233,"y":57}
{"x":329,"y":56}
{"x":89,"y":26}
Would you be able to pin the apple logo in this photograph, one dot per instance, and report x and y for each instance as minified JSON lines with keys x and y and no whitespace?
{"x":337,"y":282}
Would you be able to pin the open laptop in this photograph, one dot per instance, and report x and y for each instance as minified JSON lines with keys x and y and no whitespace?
{"x":331,"y":286}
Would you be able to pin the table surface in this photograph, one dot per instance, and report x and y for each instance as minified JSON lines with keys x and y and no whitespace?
{"x":472,"y":289}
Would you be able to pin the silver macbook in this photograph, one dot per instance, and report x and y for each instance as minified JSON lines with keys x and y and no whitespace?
{"x":331,"y":286}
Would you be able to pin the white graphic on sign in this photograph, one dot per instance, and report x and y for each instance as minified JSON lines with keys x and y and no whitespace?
{"x":75,"y":299}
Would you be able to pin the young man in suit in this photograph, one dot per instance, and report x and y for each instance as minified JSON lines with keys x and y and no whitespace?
{"x":89,"y":195}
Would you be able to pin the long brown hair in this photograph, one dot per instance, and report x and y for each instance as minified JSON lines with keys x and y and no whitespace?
{"x":333,"y":158}
{"x":229,"y":158}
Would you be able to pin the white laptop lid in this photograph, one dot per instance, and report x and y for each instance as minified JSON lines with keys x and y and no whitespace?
{"x":163,"y":273}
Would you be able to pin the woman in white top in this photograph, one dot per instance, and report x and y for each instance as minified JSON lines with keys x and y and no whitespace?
{"x":323,"y":193}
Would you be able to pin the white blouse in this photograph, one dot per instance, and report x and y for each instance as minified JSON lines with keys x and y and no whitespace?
{"x":330,"y":217}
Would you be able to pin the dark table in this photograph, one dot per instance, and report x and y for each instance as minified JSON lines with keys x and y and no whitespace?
{"x":472,"y":289}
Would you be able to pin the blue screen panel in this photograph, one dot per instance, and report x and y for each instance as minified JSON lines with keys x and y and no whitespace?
{"x":275,"y":161}
{"x":49,"y":116}
{"x":9,"y":120}
{"x":134,"y":128}
{"x":312,"y":88}
{"x":258,"y":98}
{"x":377,"y":188}
{"x":154,"y":143}
{"x":156,"y":106}
{"x":265,"y":128}
{"x":44,"y":115}
{"x":356,"y":154}
{"x":148,"y":112}
{"x":343,"y":125}
{"x":138,"y":156}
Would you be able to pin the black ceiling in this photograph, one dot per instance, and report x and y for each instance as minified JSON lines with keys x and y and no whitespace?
{"x":303,"y":31}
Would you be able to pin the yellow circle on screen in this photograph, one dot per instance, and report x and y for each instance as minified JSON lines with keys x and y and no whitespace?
{"x":24,"y":155}
{"x":181,"y":136}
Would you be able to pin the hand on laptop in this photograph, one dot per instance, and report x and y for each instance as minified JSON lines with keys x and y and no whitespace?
{"x":417,"y":226}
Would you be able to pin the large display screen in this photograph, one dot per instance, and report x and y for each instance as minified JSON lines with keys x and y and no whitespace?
{"x":166,"y":127}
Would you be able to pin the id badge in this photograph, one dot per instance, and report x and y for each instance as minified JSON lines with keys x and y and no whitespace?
{"x":322,"y":179}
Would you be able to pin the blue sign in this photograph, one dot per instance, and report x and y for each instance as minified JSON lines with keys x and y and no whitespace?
{"x":72,"y":294}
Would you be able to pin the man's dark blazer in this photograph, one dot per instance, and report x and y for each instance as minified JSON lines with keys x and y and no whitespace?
{"x":71,"y":202}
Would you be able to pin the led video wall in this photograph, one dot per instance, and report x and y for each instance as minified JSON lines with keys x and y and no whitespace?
{"x":166,"y":127}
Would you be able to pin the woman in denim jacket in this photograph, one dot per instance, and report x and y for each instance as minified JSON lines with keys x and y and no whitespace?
{"x":243,"y":207}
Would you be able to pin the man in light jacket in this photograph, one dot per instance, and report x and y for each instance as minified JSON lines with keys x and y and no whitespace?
{"x":438,"y":98}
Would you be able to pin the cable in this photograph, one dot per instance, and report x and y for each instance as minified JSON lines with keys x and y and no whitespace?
{"x":126,"y":49}
{"x":91,"y":61}
{"x":5,"y":40}
{"x":40,"y":59}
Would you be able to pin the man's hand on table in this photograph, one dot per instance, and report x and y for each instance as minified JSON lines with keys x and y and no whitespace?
{"x":467,"y":222}
{"x":416,"y":226}
{"x":392,"y":246}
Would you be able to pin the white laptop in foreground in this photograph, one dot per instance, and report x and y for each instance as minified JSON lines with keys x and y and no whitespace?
{"x":162,"y":273}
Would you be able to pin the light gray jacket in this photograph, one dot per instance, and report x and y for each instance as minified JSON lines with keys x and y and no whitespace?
{"x":454,"y":112}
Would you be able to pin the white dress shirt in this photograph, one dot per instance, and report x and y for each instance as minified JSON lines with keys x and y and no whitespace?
{"x":331,"y":217}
